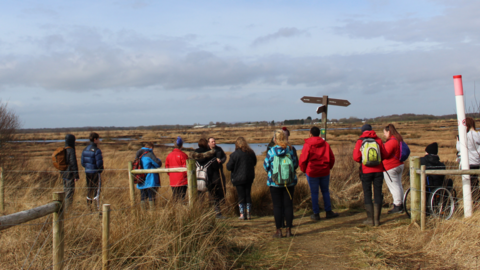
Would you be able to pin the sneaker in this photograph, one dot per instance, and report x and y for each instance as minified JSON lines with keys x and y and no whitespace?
{"x":331,"y":214}
{"x":396,"y":209}
{"x":315,"y":217}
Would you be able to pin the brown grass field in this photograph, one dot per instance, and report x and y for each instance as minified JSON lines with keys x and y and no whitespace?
{"x":174,"y":236}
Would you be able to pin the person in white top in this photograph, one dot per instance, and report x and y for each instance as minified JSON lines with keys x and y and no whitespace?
{"x":473,"y":146}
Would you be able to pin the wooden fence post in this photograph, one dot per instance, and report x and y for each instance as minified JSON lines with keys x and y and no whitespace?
{"x":58,"y":233}
{"x":423,"y":203}
{"x":2,"y":192}
{"x":105,"y":236}
{"x":192,"y":182}
{"x":415,"y":189}
{"x":131,"y":184}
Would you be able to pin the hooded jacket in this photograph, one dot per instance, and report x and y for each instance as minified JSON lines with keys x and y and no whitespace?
{"x":357,"y":155}
{"x":177,"y":159}
{"x":473,"y":146}
{"x":432,"y":162}
{"x":72,"y":170}
{"x":268,"y":162}
{"x":203,"y":156}
{"x":392,"y":147}
{"x":242,"y":166}
{"x":92,"y":159}
{"x":149,"y":161}
{"x":316,"y":159}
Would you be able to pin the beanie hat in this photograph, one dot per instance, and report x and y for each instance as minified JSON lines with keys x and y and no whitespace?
{"x":432,"y":149}
{"x":366,"y":127}
{"x":179,"y":141}
{"x":286,"y":132}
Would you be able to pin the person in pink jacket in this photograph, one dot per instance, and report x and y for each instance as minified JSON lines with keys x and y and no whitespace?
{"x":316,"y":161}
{"x":393,"y":167}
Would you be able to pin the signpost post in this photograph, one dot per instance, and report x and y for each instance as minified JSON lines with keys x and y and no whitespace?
{"x":325,"y":101}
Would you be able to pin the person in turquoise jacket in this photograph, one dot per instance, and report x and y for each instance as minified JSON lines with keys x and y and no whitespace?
{"x":282,"y":197}
{"x":148,"y":189}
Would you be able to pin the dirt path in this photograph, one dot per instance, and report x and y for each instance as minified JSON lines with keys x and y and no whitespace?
{"x":326,"y":244}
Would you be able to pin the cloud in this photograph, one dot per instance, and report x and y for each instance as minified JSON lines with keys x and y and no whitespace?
{"x":458,"y":23}
{"x":281,"y":33}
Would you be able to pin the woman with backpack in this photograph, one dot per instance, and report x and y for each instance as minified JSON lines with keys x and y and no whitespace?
{"x":473,"y":146}
{"x":280,"y":164}
{"x":369,"y":151}
{"x":205,"y":157}
{"x":393,"y":167}
{"x":242,"y":165}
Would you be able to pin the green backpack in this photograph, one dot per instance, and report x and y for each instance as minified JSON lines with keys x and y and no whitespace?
{"x":371,"y":155}
{"x":283,"y":172}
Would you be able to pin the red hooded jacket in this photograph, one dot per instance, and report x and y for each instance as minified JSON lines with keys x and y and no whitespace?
{"x":357,"y":155}
{"x":317,"y":158}
{"x":177,"y":159}
{"x":392,"y":147}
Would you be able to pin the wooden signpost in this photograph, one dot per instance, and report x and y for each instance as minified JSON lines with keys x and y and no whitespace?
{"x":325,"y":101}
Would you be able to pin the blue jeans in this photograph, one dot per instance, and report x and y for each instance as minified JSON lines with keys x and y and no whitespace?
{"x":322,"y":182}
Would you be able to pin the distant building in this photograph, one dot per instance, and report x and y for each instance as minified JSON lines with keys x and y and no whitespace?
{"x":198,"y":126}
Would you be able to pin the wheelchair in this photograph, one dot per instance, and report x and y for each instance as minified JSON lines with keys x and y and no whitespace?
{"x":441,"y":200}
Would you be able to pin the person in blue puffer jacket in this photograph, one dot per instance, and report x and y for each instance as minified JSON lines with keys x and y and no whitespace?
{"x":282,"y":197}
{"x":148,"y":189}
{"x":92,"y":161}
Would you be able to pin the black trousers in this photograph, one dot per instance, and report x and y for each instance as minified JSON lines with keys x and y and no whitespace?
{"x":148,"y":193}
{"x":92,"y":185}
{"x":179,"y":192}
{"x":282,"y":205}
{"x":377,"y":180}
{"x":244,"y":192}
{"x":216,"y":192}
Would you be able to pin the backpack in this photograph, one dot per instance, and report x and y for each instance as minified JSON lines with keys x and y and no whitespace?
{"x":371,"y":155}
{"x":137,"y":165}
{"x":404,"y":152}
{"x":283,"y":172}
{"x":202,"y":176}
{"x":59,"y":158}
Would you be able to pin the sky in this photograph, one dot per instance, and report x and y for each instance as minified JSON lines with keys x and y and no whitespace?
{"x":142,"y":62}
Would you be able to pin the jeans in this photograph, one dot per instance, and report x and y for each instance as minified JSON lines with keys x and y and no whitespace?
{"x":149,"y":193}
{"x":244,"y":193}
{"x":323,"y":183}
{"x":282,"y":205}
{"x":377,"y":180}
{"x":393,"y":177}
{"x":92,"y":185}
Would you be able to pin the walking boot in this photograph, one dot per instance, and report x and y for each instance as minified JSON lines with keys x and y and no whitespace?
{"x":152,"y":205}
{"x":142,"y":205}
{"x":331,"y":214}
{"x":369,"y":220}
{"x":396,"y":209}
{"x":218,"y":214}
{"x":241,"y":207}
{"x":376,"y":214}
{"x":249,"y":210}
{"x":315,"y":217}
{"x":288,"y":232}
{"x":278,"y":234}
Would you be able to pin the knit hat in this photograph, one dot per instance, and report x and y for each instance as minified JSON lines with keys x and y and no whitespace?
{"x":286,"y":132}
{"x":179,"y":141}
{"x":366,"y":127}
{"x":432,"y":149}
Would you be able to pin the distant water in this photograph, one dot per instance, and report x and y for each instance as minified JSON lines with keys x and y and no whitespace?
{"x":258,"y":148}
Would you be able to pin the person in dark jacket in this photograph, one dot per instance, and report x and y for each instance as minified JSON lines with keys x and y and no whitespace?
{"x":148,"y":189}
{"x":316,"y":161}
{"x":431,"y":160}
{"x":70,"y":175}
{"x":203,"y":155}
{"x":242,"y":165}
{"x":371,"y":175}
{"x":92,"y":161}
{"x":221,"y":158}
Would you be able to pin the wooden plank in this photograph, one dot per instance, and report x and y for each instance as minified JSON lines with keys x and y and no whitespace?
{"x":423,"y":203}
{"x":415,"y":189}
{"x":450,"y":172}
{"x":58,"y":232}
{"x":192,"y":182}
{"x":160,"y":170}
{"x":105,"y":236}
{"x":131,"y":184}
{"x":28,"y":215}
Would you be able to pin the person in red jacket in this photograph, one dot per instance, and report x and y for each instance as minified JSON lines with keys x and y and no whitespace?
{"x":393,"y":167}
{"x":178,"y":180}
{"x":371,"y":175}
{"x":316,"y":161}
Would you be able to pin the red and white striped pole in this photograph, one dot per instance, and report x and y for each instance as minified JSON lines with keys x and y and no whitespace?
{"x":462,"y":136}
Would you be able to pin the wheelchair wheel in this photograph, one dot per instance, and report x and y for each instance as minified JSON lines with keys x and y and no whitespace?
{"x":442,"y":203}
{"x":407,"y":202}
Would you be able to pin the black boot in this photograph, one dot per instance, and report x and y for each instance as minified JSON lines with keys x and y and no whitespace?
{"x":396,"y":209}
{"x":315,"y":217}
{"x":377,"y":211}
{"x":278,"y":234}
{"x":369,"y":209}
{"x":331,"y":214}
